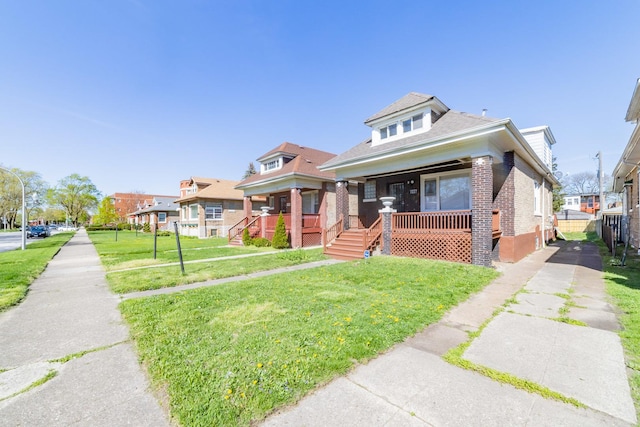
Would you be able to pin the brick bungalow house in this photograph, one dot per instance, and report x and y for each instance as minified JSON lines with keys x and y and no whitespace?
{"x":465,"y":187}
{"x":160,"y":212}
{"x":626,"y":175}
{"x":291,"y":183}
{"x":210,"y":206}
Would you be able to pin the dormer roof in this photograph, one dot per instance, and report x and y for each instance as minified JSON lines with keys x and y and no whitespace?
{"x":304,"y":163}
{"x":410,"y":101}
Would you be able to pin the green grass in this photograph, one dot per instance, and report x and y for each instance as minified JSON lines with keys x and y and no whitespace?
{"x":162,"y":277}
{"x":18,"y":268}
{"x":230,"y":354}
{"x":131,"y":250}
{"x":623,"y":284}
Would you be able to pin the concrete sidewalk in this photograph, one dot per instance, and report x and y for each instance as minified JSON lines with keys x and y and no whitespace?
{"x":412,"y":385}
{"x":70,"y":311}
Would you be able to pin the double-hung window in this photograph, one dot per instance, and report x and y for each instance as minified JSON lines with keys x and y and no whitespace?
{"x":413,"y":123}
{"x":193,"y":211}
{"x":162,"y":217}
{"x":389,"y":131}
{"x":536,"y":198}
{"x":213,"y":211}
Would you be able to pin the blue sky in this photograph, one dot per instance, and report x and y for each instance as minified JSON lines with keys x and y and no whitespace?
{"x":139,"y":94}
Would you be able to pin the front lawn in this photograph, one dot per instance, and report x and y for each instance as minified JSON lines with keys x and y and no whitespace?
{"x":623,"y":284}
{"x":136,"y":249}
{"x":162,"y":277}
{"x":18,"y":268}
{"x":230,"y":354}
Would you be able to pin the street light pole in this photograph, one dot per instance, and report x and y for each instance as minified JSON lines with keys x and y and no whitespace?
{"x":24,"y":210}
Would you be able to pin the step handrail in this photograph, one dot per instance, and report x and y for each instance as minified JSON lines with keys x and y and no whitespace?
{"x":372,"y":234}
{"x":332,"y":233}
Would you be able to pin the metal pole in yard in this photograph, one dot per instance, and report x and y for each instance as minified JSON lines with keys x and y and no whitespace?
{"x":175,"y":227}
{"x":155,"y":242}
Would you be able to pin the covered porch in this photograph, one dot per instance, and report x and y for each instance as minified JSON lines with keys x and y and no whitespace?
{"x":443,"y":235}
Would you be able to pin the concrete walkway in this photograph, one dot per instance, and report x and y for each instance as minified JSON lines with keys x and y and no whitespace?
{"x":70,"y":311}
{"x":411,"y":385}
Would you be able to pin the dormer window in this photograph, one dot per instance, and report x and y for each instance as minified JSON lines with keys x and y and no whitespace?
{"x":272,"y":165}
{"x":389,"y":131}
{"x":413,"y":123}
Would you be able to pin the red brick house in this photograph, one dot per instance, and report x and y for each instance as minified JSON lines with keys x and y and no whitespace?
{"x":291,"y":183}
{"x":465,"y":187}
{"x":128,"y":203}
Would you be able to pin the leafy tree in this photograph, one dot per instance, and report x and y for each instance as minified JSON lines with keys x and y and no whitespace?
{"x":76,"y":195}
{"x":251,"y":170}
{"x":11,"y":193}
{"x":106,"y":212}
{"x":280,"y":238}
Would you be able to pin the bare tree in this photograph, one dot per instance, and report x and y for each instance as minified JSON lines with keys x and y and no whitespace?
{"x":581,"y":183}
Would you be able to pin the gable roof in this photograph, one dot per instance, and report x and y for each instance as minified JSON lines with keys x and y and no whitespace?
{"x":214,"y":188}
{"x":305,"y":163}
{"x":412,"y":99}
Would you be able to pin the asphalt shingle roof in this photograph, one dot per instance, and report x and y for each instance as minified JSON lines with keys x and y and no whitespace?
{"x":449,"y":123}
{"x":410,"y":100}
{"x":306,"y":161}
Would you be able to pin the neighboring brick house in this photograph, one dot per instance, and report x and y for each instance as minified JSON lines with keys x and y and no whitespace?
{"x":127,"y":203}
{"x":210,"y":206}
{"x":626,"y":174}
{"x":160,"y":212}
{"x":290,"y":181}
{"x":466,"y":187}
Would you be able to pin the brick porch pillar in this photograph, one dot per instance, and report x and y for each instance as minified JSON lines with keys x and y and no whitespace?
{"x":482,"y":206}
{"x":202,"y":224}
{"x":296,"y":218}
{"x":342,"y":202}
{"x":247,"y":207}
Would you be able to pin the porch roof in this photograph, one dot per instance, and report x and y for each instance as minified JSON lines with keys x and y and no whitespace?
{"x":302,"y":170}
{"x":454,"y":135}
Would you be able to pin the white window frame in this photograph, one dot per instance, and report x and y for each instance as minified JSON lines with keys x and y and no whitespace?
{"x":537,"y":198}
{"x":216,"y":212}
{"x":271,"y":165}
{"x":191,"y":210}
{"x":162,"y":217}
{"x":411,"y":122}
{"x":315,"y":194}
{"x":185,"y":210}
{"x":272,"y":202}
{"x":437,"y":177}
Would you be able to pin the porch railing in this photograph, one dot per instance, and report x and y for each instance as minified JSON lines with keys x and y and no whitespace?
{"x":440,"y":220}
{"x":236,"y":229}
{"x":252,"y":224}
{"x":372,"y":235}
{"x":332,"y":233}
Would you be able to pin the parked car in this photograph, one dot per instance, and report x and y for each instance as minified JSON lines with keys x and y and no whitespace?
{"x":67,"y":228}
{"x":53,"y":227}
{"x":39,"y":231}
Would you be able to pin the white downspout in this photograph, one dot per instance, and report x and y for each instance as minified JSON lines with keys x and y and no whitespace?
{"x":543,"y":229}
